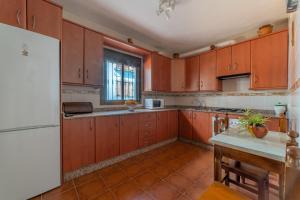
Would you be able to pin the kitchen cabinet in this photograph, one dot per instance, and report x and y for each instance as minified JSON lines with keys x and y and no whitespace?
{"x":178,"y":75}
{"x":13,"y":12}
{"x":185,"y":124}
{"x":269,"y":61}
{"x":107,"y":137}
{"x":208,"y":72}
{"x":147,"y":129}
{"x":173,"y":124}
{"x":234,"y":60}
{"x":93,"y":58}
{"x":157,"y":73}
{"x":44,"y":17}
{"x":129,"y":133}
{"x":78,"y":143}
{"x":201,"y":130}
{"x":162,"y":126}
{"x":192,"y":74}
{"x":72,"y":53}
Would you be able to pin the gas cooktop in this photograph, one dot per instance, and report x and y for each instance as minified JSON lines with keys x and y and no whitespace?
{"x":232,"y":110}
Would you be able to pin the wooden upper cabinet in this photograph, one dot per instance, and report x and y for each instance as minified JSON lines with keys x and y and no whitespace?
{"x":269,"y":61}
{"x":208,"y":72}
{"x":241,"y":58}
{"x":72,"y":53}
{"x":223,"y":61}
{"x":107,"y":137}
{"x":165,"y":74}
{"x":78,"y":143}
{"x":192,"y":74}
{"x":44,"y":17}
{"x":201,"y":123}
{"x":186,"y":124}
{"x":93,"y":58}
{"x":13,"y":12}
{"x":178,"y":75}
{"x":129,"y":133}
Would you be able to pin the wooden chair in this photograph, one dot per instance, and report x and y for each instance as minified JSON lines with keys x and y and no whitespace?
{"x":257,"y":175}
{"x":218,"y":191}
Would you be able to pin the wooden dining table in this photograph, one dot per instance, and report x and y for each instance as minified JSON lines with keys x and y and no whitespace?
{"x":268,"y":153}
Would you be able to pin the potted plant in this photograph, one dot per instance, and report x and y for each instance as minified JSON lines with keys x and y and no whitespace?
{"x":254,"y":123}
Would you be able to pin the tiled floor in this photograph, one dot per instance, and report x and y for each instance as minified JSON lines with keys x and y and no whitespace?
{"x":176,"y":171}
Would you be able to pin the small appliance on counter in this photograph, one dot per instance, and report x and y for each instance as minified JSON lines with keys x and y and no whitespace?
{"x":279,"y":109}
{"x":154,"y":103}
{"x":77,"y":108}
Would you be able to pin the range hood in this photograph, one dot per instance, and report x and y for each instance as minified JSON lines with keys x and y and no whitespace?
{"x":233,"y":76}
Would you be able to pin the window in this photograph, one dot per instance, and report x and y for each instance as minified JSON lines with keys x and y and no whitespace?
{"x":122,"y":77}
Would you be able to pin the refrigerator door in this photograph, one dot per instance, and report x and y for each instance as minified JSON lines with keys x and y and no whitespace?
{"x":29,"y":79}
{"x":29,"y":162}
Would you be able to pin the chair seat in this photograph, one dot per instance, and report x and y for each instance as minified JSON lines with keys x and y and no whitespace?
{"x":218,"y":191}
{"x":247,"y":170}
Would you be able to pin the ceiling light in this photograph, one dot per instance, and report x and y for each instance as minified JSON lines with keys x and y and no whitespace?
{"x":166,"y":6}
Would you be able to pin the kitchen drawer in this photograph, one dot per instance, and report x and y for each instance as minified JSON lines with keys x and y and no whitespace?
{"x":146,"y":117}
{"x":148,"y":139}
{"x":149,"y":125}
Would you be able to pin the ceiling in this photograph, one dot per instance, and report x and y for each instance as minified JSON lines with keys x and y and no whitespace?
{"x":193,"y":23}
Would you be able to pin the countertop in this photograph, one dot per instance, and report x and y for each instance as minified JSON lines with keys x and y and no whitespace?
{"x":100,"y":112}
{"x":272,"y":146}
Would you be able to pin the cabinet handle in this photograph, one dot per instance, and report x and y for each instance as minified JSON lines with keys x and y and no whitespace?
{"x":256,"y":79}
{"x":201,"y":85}
{"x":33,"y":22}
{"x":87,"y":74}
{"x":79,"y":73}
{"x":91,"y":125}
{"x":18,"y":16}
{"x":235,"y":66}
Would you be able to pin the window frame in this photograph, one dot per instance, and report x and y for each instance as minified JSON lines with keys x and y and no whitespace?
{"x":103,"y":99}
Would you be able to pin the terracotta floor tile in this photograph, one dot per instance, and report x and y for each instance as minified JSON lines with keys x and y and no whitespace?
{"x":106,"y":196}
{"x":179,"y":181}
{"x":183,"y":197}
{"x":133,"y":170}
{"x":196,"y":190}
{"x":91,"y":189}
{"x":68,"y":195}
{"x":86,"y":178}
{"x":191,"y":172}
{"x":114,"y":177}
{"x":127,"y":191}
{"x":128,"y":162}
{"x":147,"y":164}
{"x":65,"y":187}
{"x":109,"y":170}
{"x":162,"y":171}
{"x":147,"y":179}
{"x":164,"y":191}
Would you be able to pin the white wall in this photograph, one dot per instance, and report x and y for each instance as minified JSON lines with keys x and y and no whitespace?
{"x":294,"y":73}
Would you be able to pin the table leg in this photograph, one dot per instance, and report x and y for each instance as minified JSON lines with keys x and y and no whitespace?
{"x":217,"y":165}
{"x":282,"y":183}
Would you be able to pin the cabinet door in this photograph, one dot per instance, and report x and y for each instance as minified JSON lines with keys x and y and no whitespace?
{"x":223,"y":61}
{"x":162,"y":126}
{"x":129,"y":133}
{"x":165,"y":74}
{"x":173,"y":124}
{"x":178,"y":75}
{"x":44,"y":17}
{"x":155,"y":72}
{"x":269,"y":62}
{"x":78,"y":143}
{"x":72,"y":53}
{"x":185,"y":124}
{"x":107,"y":137}
{"x":208,"y":72}
{"x":13,"y":12}
{"x":201,"y":130}
{"x":241,"y":58}
{"x":192,"y":74}
{"x":93,"y":58}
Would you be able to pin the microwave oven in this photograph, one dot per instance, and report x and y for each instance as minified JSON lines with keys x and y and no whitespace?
{"x":154,"y":103}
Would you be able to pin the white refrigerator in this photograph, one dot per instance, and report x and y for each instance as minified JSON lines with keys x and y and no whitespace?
{"x":29,"y":113}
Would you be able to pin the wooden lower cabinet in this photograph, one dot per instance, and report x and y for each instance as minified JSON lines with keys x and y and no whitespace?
{"x":173,"y":124}
{"x":162,"y":126}
{"x":185,"y":124}
{"x":147,"y":129}
{"x":78,"y":143}
{"x":201,"y":130}
{"x":129,"y":133}
{"x":107,"y":137}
